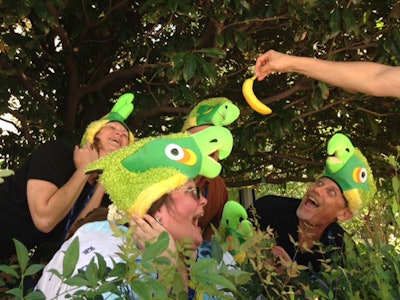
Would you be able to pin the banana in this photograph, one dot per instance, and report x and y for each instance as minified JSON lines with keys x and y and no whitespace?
{"x":252,"y":100}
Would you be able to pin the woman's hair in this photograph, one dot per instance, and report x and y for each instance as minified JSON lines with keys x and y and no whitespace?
{"x":96,"y":142}
{"x":157,"y":204}
{"x":97,"y":214}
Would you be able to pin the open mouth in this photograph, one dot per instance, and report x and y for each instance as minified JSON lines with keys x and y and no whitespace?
{"x":196,"y":218}
{"x":311,"y":202}
{"x":116,"y":141}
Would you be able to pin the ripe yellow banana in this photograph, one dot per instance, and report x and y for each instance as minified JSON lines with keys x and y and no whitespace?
{"x":252,"y":100}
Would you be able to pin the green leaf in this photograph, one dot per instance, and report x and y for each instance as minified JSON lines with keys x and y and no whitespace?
{"x":35,"y":295}
{"x":154,"y":250}
{"x":216,"y":251}
{"x":9,"y":270}
{"x":17,"y":292}
{"x":350,"y":21}
{"x":141,"y":290}
{"x":213,"y":52}
{"x":41,"y":10}
{"x":187,"y":93}
{"x":373,"y":125}
{"x":6,"y":172}
{"x":102,"y":265}
{"x":335,"y":22}
{"x":92,"y":274}
{"x":22,"y":9}
{"x":71,"y":258}
{"x":31,"y":3}
{"x":118,"y":270}
{"x":108,"y":287}
{"x":396,"y":184}
{"x":173,"y":5}
{"x":213,"y":279}
{"x":317,"y":101}
{"x":156,"y":288}
{"x":209,"y":70}
{"x":240,"y":277}
{"x":219,"y":40}
{"x":324,"y":89}
{"x":33,"y":269}
{"x":77,"y":281}
{"x":189,"y":66}
{"x":22,"y":255}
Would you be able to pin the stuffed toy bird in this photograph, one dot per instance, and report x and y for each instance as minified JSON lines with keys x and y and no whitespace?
{"x":214,"y":111}
{"x":349,"y":168}
{"x":119,"y":113}
{"x":234,"y":224}
{"x":137,"y":175}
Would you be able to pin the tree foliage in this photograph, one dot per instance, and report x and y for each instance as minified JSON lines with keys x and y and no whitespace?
{"x":63,"y":62}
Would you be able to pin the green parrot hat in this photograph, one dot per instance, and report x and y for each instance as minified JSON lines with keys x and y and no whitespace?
{"x":218,"y":111}
{"x":119,"y":113}
{"x":349,"y":168}
{"x":139,"y":174}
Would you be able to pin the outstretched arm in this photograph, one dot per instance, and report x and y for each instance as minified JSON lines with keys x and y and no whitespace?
{"x":364,"y":77}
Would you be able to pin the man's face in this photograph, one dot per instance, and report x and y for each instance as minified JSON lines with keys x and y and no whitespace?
{"x":196,"y":129}
{"x":322,"y":204}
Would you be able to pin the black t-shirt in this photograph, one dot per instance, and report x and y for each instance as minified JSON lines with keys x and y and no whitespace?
{"x":280,"y":214}
{"x":52,"y":162}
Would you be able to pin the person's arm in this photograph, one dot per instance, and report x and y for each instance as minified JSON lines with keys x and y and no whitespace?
{"x":364,"y":77}
{"x":49,"y":204}
{"x":94,"y":202}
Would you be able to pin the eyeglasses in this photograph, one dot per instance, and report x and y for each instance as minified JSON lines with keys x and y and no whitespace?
{"x":195,"y":192}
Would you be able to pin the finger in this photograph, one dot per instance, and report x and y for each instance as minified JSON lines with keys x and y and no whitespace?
{"x":140,"y":224}
{"x":151,"y":220}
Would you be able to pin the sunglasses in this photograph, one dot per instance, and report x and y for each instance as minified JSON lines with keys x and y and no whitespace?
{"x":195,"y":192}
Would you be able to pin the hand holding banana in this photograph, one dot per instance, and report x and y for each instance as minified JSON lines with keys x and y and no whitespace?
{"x":252,"y":100}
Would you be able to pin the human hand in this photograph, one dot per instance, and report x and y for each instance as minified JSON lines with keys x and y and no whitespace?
{"x":280,"y":254}
{"x":85,"y":155}
{"x":147,"y":229}
{"x":271,"y":61}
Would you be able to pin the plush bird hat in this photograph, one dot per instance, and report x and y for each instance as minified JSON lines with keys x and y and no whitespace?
{"x":348,"y":167}
{"x":214,"y":111}
{"x":119,"y":113}
{"x":139,"y":174}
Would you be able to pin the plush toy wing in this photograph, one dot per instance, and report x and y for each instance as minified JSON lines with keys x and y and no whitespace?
{"x":137,"y":175}
{"x":348,"y":167}
{"x":214,"y":111}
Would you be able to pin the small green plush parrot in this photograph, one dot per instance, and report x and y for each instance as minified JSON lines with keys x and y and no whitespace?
{"x":218,"y":111}
{"x":137,"y":175}
{"x":348,"y":167}
{"x":234,"y":222}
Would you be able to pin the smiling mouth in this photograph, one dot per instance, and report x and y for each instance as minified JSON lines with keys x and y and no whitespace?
{"x":311,"y":202}
{"x":196,"y":219}
{"x":116,"y":141}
